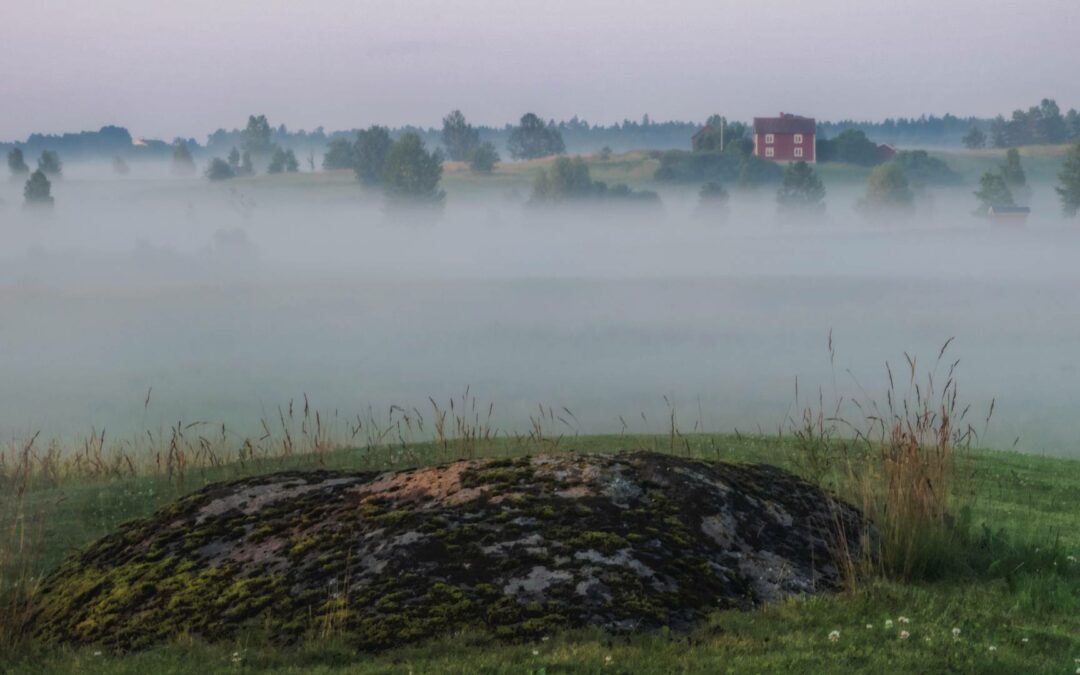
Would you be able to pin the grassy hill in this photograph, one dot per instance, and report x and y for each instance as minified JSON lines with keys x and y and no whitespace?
{"x":1015,"y":599}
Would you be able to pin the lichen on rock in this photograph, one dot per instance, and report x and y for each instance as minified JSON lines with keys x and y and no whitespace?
{"x":517,"y":546}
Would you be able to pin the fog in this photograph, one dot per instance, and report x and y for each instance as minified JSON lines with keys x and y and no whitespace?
{"x":227,"y":300}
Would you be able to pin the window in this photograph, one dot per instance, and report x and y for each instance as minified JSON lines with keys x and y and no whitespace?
{"x":798,"y":139}
{"x":769,"y":138}
{"x":768,"y":152}
{"x":798,"y":151}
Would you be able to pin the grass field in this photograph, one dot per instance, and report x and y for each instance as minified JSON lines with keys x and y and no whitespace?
{"x":1015,"y":600}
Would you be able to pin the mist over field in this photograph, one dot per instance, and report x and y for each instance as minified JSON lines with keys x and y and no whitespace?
{"x":227,"y":300}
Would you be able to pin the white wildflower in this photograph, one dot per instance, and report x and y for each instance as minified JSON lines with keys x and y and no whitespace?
{"x":97,"y":653}
{"x":869,"y":626}
{"x":993,"y":648}
{"x":1071,"y":558}
{"x":904,"y":620}
{"x":888,"y":624}
{"x":607,"y":659}
{"x":834,"y":636}
{"x":536,"y":652}
{"x":904,"y":635}
{"x":544,"y":639}
{"x":955,"y":633}
{"x":1023,"y":641}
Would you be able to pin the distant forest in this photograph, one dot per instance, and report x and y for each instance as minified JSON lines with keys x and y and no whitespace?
{"x":1043,"y":123}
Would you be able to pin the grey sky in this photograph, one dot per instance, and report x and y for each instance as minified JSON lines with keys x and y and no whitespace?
{"x":186,"y":67}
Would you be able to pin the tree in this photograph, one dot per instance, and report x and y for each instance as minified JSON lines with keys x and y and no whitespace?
{"x":283,"y":161}
{"x":49,"y":163}
{"x":17,"y":163}
{"x":340,"y":154}
{"x":975,"y":139}
{"x":851,"y":146}
{"x":234,"y":160}
{"x":371,"y":150}
{"x":459,"y":137}
{"x":802,"y":191}
{"x":120,"y":167}
{"x":484,"y":158}
{"x":1050,"y":124}
{"x":568,"y":179}
{"x":182,"y":163}
{"x":1069,"y":188}
{"x":923,"y":170}
{"x":993,"y":191}
{"x":1012,"y":171}
{"x":887,"y":189}
{"x":712,"y":201}
{"x":255,"y":138}
{"x":532,"y":139}
{"x":605,"y":154}
{"x":219,"y":169}
{"x":411,"y":174}
{"x":1072,"y":124}
{"x":755,"y":172}
{"x":38,"y":190}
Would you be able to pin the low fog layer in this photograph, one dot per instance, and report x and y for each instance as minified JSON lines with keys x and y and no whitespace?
{"x":229,"y":299}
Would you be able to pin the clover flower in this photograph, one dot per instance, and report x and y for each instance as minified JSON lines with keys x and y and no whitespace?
{"x":904,"y":635}
{"x":834,"y":636}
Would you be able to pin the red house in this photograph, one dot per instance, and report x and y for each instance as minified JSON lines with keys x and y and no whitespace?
{"x":788,"y":138}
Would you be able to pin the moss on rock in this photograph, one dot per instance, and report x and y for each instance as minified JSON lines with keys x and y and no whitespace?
{"x":520,"y":547}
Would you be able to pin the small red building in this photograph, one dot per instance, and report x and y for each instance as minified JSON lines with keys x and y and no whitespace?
{"x":788,"y":138}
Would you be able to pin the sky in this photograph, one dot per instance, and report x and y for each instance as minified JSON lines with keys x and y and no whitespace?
{"x":166,"y":68}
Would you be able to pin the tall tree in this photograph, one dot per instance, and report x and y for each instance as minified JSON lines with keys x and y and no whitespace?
{"x":1012,"y":172}
{"x":49,"y":163}
{"x":532,"y":139}
{"x":1051,"y":123}
{"x":182,"y":162}
{"x":411,"y":174}
{"x":802,"y":191}
{"x":975,"y":139}
{"x":993,"y":191}
{"x":17,"y":163}
{"x":234,"y":160}
{"x":256,"y":136}
{"x":1069,"y":187}
{"x":372,"y":147}
{"x":38,"y":190}
{"x":459,"y":137}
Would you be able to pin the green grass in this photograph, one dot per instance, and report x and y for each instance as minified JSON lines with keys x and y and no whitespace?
{"x":1017,"y":584}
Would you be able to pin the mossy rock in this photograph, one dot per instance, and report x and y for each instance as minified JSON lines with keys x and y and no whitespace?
{"x":520,"y":547}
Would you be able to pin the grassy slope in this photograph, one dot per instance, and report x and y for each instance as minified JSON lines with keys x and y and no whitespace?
{"x":1034,"y":594}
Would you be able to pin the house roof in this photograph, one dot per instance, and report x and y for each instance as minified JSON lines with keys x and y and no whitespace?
{"x":785,"y":124}
{"x":703,"y":130}
{"x":1010,"y":210}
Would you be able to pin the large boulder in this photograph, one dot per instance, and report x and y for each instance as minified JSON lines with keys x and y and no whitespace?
{"x":519,"y":546}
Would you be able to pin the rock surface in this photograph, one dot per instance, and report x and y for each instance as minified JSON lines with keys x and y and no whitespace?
{"x":520,"y":547}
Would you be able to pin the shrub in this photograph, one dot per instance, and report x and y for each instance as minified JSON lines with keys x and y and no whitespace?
{"x":887,"y":190}
{"x":411,"y":174}
{"x":802,"y":191}
{"x":38,"y":190}
{"x":484,"y":158}
{"x":219,"y":169}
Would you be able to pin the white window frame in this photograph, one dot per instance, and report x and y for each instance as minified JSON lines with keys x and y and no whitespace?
{"x":769,"y":152}
{"x":769,"y":139}
{"x":798,"y":139}
{"x":798,"y":152}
